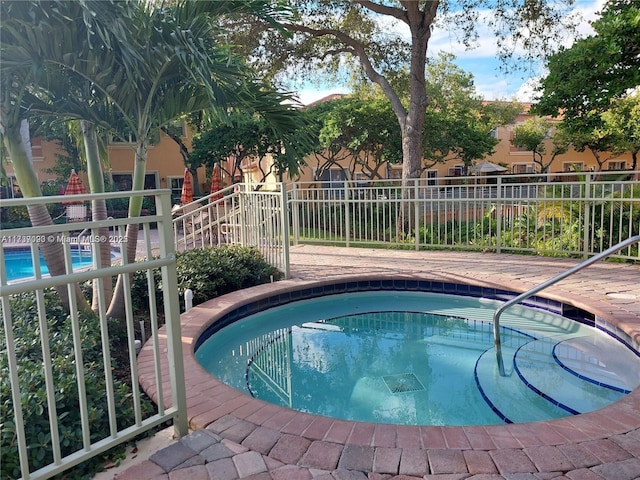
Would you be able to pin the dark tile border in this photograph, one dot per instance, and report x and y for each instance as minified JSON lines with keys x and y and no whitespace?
{"x":427,"y":286}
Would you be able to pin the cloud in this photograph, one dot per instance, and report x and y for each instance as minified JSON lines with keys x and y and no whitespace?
{"x":482,"y":60}
{"x":310,"y":94}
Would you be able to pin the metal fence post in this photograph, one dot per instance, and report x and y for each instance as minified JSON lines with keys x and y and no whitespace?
{"x":284,"y":209}
{"x":587,"y":216}
{"x":347,"y":216}
{"x":416,"y":211}
{"x":295,"y":213}
{"x":172,"y":312}
{"x":498,"y":215}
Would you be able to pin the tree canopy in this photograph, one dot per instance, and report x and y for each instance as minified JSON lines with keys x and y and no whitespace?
{"x":460,"y":122}
{"x":586,"y":78}
{"x":377,"y":40}
{"x":250,"y":137}
{"x":366,"y":128}
{"x":531,"y":136}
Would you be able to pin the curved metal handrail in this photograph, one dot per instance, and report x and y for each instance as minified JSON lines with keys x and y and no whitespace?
{"x":542,"y":286}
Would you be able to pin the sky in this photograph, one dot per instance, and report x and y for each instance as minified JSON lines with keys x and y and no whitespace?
{"x":482,"y":62}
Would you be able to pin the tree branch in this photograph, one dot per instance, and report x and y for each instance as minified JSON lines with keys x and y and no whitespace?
{"x":384,"y":10}
{"x":184,"y":151}
{"x":337,"y":51}
{"x":359,"y":50}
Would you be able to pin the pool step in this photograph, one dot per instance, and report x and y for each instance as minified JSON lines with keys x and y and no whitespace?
{"x":537,"y":381}
{"x":590,"y":357}
{"x":508,"y":396}
{"x":537,"y":368}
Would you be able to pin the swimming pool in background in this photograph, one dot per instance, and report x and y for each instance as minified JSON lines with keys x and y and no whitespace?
{"x":419,"y":358}
{"x":18,"y":264}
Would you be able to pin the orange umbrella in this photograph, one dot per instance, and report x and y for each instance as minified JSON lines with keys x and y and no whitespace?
{"x":187,"y":188}
{"x":216,"y":183}
{"x":74,"y":186}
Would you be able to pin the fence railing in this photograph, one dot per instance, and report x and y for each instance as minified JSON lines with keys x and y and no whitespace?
{"x":61,"y":378}
{"x":576,"y":214}
{"x":243,"y":216}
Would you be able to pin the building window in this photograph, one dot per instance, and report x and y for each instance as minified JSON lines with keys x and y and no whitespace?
{"x":522,"y":168}
{"x":334,"y":175}
{"x":456,"y":171}
{"x":395,"y":172}
{"x":9,"y":188}
{"x":572,"y":167}
{"x":124,"y":181}
{"x":432,"y":177}
{"x":175,"y":184}
{"x":617,"y":165}
{"x":494,"y":133}
{"x":333,"y":180}
{"x":360,"y":177}
{"x":176,"y":128}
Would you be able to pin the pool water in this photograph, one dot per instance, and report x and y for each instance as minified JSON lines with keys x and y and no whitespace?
{"x":19,"y":265}
{"x":420,"y":359}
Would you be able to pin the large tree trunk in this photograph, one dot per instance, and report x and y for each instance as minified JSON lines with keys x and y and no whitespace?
{"x":98,"y":211}
{"x":413,"y":124}
{"x":16,"y":143}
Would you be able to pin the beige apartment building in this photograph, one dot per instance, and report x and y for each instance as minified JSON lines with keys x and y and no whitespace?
{"x":165,"y":165}
{"x":514,"y":160}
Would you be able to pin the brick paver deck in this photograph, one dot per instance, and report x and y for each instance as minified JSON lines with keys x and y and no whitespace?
{"x":236,"y":436}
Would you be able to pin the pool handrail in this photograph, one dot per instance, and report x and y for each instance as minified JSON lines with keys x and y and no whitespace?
{"x":496,"y":316}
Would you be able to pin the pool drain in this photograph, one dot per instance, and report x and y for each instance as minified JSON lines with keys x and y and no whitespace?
{"x":402,"y":383}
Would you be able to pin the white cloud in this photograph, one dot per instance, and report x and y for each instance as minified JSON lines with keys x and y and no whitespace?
{"x":481,"y":60}
{"x":309,"y":95}
{"x":527,"y":91}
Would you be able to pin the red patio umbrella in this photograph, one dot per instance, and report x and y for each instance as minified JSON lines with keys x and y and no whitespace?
{"x":216,"y":183}
{"x":74,"y":186}
{"x":187,"y":188}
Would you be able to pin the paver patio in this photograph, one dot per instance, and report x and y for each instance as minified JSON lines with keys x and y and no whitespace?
{"x":236,"y":436}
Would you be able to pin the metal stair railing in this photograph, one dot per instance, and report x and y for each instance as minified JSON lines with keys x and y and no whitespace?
{"x":496,"y":316}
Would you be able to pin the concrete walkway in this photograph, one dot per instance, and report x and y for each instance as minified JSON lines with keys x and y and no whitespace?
{"x":236,"y":436}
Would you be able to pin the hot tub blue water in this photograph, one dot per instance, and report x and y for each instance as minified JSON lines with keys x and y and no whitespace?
{"x":19,"y":265}
{"x":419,"y":358}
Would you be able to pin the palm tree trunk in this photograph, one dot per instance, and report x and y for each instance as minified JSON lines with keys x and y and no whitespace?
{"x":117,"y":306}
{"x":52,"y":249}
{"x":98,"y":211}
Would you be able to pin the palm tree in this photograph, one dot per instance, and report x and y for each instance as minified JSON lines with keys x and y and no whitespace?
{"x":186,"y":70}
{"x":26,"y":49}
{"x":151,"y":65}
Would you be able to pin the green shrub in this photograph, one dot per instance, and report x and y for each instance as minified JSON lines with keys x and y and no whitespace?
{"x":209,"y":273}
{"x":35,"y":410}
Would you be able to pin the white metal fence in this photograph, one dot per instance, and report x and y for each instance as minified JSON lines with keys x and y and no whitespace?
{"x":575,"y":214}
{"x":50,"y":420}
{"x":243,"y":216}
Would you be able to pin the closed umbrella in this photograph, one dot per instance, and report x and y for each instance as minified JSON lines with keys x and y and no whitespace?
{"x":216,"y":184}
{"x":76,"y":211}
{"x":186,"y":196}
{"x":74,"y":186}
